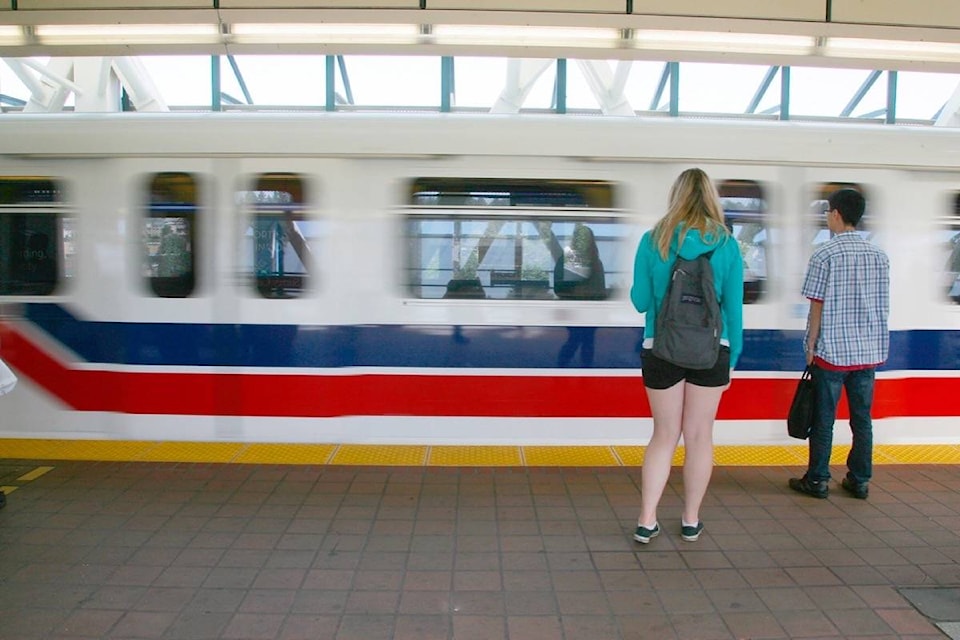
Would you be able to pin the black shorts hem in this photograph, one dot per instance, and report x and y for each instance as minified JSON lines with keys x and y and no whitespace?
{"x":661,"y":374}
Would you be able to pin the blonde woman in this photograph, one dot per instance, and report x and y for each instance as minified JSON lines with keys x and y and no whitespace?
{"x":684,"y":401}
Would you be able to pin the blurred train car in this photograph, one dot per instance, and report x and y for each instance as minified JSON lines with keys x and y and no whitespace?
{"x":356,"y":278}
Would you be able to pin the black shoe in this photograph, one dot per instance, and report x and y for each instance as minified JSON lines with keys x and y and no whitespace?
{"x":691,"y":534}
{"x":815,"y":488}
{"x":857,"y":490}
{"x":3,"y":499}
{"x":644,"y":535}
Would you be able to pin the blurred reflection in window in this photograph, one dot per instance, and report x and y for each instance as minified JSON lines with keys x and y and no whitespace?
{"x":36,"y":240}
{"x":510,"y":239}
{"x":279,"y":239}
{"x":949,"y":237}
{"x":744,"y":210}
{"x":169,"y":235}
{"x":820,"y":206}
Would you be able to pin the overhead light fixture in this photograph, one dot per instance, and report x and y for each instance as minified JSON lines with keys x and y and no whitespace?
{"x":10,"y":35}
{"x":69,"y":34}
{"x":525,"y":36}
{"x":893,"y":49}
{"x":318,"y":33}
{"x":762,"y":43}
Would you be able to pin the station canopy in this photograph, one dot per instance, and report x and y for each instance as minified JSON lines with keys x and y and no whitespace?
{"x":843,"y":60}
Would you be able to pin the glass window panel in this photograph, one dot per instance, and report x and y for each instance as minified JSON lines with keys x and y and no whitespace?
{"x":169,"y":235}
{"x":745,"y":213}
{"x":478,"y":81}
{"x":12,"y":86}
{"x":298,"y":81}
{"x":279,"y":239}
{"x":533,"y":257}
{"x":579,"y":94}
{"x":34,"y":238}
{"x":544,"y":87}
{"x":183,"y":81}
{"x":718,"y":88}
{"x":818,"y":230}
{"x":642,"y":85}
{"x":825,"y":92}
{"x":412,"y":81}
{"x":949,"y":241}
{"x":457,"y":248}
{"x":921,"y":95}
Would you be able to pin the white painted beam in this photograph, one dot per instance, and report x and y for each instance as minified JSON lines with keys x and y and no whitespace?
{"x":522,"y":74}
{"x":101,"y":90}
{"x":608,"y":87}
{"x":49,"y":86}
{"x":950,"y":115}
{"x":143,"y":93}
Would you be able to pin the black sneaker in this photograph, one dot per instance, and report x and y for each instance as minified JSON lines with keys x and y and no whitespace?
{"x":3,"y":499}
{"x":644,"y":535}
{"x":691,"y":534}
{"x":856,"y":489}
{"x":815,"y":488}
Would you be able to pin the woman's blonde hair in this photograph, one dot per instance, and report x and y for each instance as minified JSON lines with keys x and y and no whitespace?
{"x":694,"y":204}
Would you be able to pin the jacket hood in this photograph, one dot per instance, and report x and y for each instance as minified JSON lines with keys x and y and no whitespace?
{"x":694,"y":244}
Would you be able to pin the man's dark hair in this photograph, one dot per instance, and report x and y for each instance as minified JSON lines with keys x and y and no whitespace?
{"x":850,"y":204}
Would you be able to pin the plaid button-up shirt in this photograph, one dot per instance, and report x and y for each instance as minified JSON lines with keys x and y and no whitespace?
{"x":852,"y":278}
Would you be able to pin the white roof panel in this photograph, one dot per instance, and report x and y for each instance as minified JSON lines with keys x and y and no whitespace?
{"x":920,"y":13}
{"x":776,"y":10}
{"x":592,"y":6}
{"x":34,"y":5}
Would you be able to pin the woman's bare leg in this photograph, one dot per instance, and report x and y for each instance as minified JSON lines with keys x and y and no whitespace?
{"x":699,"y":412}
{"x":667,"y":408}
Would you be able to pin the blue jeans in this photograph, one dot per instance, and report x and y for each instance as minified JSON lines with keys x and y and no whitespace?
{"x":859,"y":386}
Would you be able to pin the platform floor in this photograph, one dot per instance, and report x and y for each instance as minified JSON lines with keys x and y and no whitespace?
{"x":126,"y":550}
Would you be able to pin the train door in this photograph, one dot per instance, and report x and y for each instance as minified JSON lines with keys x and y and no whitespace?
{"x":275,"y":245}
{"x":38,"y":234}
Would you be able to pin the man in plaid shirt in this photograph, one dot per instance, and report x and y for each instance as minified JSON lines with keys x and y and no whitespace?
{"x":848,"y":285}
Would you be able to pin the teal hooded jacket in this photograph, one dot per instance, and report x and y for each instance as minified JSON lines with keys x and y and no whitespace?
{"x":651,"y":274}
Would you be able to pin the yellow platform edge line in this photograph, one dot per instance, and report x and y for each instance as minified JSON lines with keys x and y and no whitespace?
{"x":437,"y":455}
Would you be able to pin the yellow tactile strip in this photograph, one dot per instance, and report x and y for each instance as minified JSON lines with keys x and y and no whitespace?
{"x":438,"y":456}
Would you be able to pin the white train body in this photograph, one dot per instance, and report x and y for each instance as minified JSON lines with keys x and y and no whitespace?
{"x":362,"y":350}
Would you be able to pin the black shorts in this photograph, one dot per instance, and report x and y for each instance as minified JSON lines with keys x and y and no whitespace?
{"x":660,"y":374}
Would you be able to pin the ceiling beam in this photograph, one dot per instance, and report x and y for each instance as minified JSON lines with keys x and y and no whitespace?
{"x":458,"y":32}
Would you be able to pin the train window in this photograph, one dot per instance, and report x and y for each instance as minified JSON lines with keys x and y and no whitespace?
{"x":497,"y":239}
{"x":744,"y":210}
{"x":950,"y":237}
{"x":521,"y":257}
{"x":820,"y":206}
{"x":277,"y":250}
{"x":169,"y":235}
{"x":36,"y":238}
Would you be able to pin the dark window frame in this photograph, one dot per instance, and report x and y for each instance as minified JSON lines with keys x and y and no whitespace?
{"x":33,"y":223}
{"x":173,"y":199}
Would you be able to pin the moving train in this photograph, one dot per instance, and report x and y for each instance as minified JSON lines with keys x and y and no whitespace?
{"x":422,"y":278}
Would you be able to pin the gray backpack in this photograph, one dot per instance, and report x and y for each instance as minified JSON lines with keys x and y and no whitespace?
{"x":689,"y":322}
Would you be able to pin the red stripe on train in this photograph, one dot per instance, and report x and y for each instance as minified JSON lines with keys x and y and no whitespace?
{"x":300,"y":395}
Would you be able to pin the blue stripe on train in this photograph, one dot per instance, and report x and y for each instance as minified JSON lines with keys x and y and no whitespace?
{"x":501,"y":347}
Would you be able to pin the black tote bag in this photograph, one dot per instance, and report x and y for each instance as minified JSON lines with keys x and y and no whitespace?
{"x":800,"y":418}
